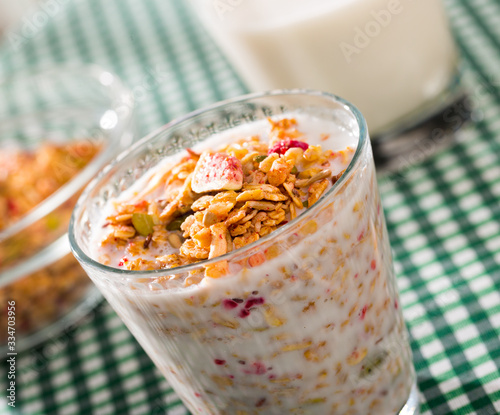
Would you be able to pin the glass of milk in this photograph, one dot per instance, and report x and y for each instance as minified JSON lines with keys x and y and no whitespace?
{"x":306,"y":319}
{"x":394,"y":59}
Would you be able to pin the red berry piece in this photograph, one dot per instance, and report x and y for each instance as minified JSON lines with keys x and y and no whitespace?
{"x":229,"y":304}
{"x":282,"y":146}
{"x":251,"y":302}
{"x":362,"y":313}
{"x":244,"y":313}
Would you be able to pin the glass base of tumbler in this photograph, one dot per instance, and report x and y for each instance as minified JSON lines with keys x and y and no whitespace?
{"x":412,"y":406}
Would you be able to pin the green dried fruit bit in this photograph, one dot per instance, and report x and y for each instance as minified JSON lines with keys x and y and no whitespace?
{"x":305,"y":203}
{"x":294,"y":170}
{"x":175,"y":225}
{"x":260,"y":159}
{"x":143,"y":223}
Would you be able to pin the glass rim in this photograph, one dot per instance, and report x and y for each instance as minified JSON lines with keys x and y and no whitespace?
{"x":85,"y":259}
{"x":115,"y":89}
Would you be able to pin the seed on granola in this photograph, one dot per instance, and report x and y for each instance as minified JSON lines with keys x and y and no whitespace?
{"x":209,"y":218}
{"x":175,"y":240}
{"x":323,"y":174}
{"x":143,"y":223}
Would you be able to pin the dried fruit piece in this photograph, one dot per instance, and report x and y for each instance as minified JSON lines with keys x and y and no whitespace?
{"x":318,"y":176}
{"x":282,"y":146}
{"x":143,"y":223}
{"x":217,"y":171}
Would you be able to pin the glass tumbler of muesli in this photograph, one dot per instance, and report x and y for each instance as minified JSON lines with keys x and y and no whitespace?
{"x":245,"y":248}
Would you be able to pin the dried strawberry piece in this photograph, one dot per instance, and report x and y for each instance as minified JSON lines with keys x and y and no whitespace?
{"x":282,"y":146}
{"x":217,"y":171}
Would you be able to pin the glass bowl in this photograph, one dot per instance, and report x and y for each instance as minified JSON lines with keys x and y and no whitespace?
{"x":58,"y":128}
{"x":259,"y":328}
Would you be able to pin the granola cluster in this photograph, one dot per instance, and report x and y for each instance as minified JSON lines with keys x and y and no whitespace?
{"x":211,"y":203}
{"x":27,"y":178}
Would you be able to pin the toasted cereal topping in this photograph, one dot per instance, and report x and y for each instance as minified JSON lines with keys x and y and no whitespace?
{"x":28,"y":177}
{"x":211,"y":203}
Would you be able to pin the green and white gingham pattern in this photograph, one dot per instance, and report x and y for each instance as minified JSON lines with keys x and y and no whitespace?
{"x":443,"y":213}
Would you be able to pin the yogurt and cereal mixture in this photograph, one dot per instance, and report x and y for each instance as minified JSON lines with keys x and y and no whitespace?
{"x":211,"y":203}
{"x":307,"y":322}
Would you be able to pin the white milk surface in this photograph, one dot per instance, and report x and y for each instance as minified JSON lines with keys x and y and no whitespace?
{"x":388,"y":57}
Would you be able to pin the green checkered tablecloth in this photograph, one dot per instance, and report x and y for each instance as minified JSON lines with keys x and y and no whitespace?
{"x":443,"y":213}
